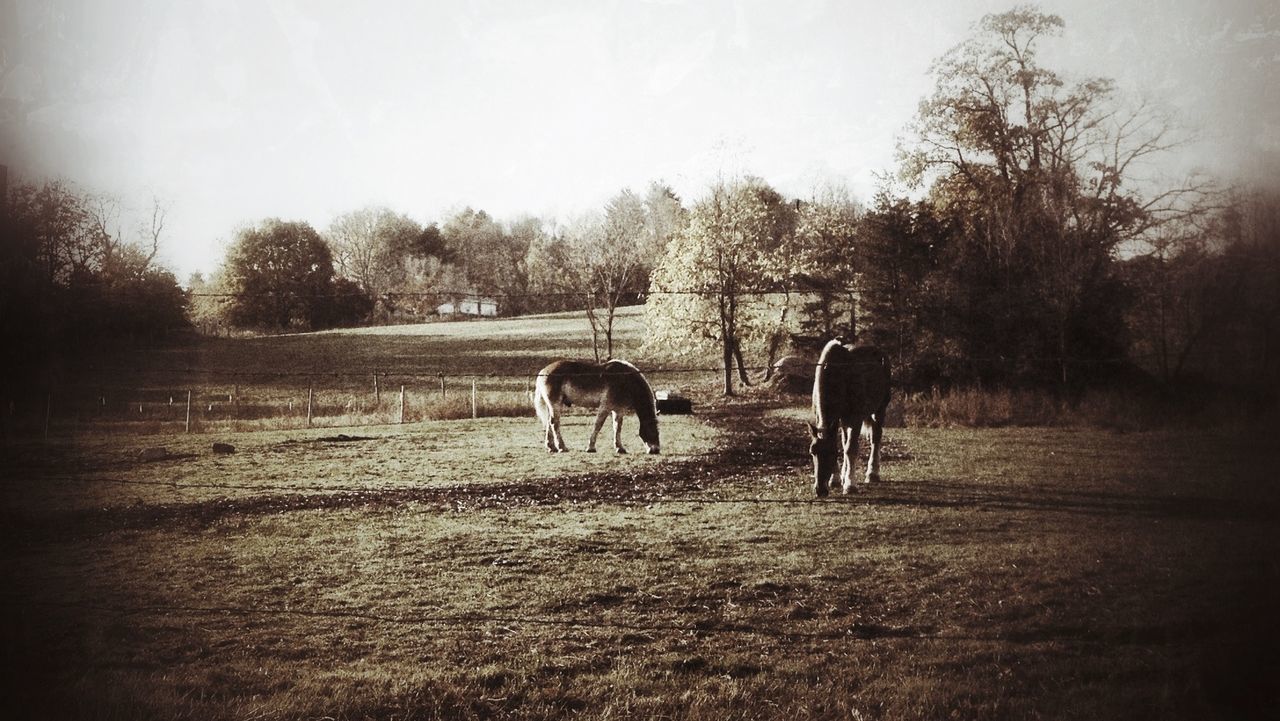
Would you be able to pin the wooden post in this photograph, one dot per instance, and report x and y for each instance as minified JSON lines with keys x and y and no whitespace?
{"x":402,"y":404}
{"x":309,"y":399}
{"x":377,"y":396}
{"x":235,"y":402}
{"x":442,"y":394}
{"x":474,"y":411}
{"x":188,"y":428}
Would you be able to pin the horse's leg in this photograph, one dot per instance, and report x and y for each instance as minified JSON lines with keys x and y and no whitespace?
{"x":550,"y":436}
{"x":601,"y":414}
{"x":877,"y":432}
{"x":617,"y":432}
{"x":546,"y":413}
{"x":849,"y":437}
{"x":556,"y":436}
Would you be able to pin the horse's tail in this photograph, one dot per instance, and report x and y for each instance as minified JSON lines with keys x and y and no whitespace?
{"x":543,"y":392}
{"x":536,"y":396}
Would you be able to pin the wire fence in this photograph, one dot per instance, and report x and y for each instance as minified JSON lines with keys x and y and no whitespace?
{"x":195,"y":399}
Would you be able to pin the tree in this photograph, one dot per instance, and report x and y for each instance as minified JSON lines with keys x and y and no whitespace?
{"x":74,"y":278}
{"x":1039,"y":176}
{"x":902,"y":286}
{"x":280,"y":275}
{"x":706,"y":290}
{"x":664,"y":216}
{"x":371,"y":246}
{"x":492,"y":260}
{"x":828,"y":266}
{"x":611,"y":263}
{"x":552,"y":277}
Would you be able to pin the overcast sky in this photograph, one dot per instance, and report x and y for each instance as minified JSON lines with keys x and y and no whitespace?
{"x":231,"y":112}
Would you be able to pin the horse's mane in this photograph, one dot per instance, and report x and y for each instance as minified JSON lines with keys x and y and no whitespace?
{"x":824,"y":379}
{"x":642,"y":399}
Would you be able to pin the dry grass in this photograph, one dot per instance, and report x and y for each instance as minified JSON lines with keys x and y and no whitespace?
{"x":455,"y":570}
{"x":1013,"y":573}
{"x":1107,"y":408}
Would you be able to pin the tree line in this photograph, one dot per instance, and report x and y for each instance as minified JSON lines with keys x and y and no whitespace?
{"x":1017,"y":242}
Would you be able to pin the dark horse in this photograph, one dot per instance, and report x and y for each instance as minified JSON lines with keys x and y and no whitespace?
{"x":850,"y":393}
{"x":615,"y":387}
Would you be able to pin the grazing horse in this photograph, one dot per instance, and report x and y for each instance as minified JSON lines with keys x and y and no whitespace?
{"x":850,"y":393}
{"x":615,"y":387}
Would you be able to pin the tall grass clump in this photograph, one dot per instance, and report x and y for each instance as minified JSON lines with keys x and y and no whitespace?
{"x":1115,"y":409}
{"x":981,"y":408}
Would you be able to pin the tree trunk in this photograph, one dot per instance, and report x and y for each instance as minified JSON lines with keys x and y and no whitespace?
{"x":742,"y":367}
{"x":727,"y":351}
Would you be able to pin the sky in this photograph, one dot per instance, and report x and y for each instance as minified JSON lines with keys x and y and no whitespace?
{"x":230,"y":112}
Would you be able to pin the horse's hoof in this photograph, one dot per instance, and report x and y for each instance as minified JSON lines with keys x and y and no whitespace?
{"x":621,"y":450}
{"x":873,"y":478}
{"x":821,"y":491}
{"x":591,"y":450}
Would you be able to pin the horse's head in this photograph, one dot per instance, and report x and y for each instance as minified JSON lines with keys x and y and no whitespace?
{"x":649,"y":433}
{"x":822,"y":446}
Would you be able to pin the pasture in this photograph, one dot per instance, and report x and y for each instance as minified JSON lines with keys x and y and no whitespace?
{"x":454,"y":569}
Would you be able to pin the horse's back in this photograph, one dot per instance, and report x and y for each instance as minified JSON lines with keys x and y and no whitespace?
{"x":850,"y":383}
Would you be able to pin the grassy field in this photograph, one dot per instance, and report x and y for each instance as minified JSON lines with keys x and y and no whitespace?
{"x":455,"y":570}
{"x":265,"y":383}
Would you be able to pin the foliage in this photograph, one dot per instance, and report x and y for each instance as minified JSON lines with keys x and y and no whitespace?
{"x":492,"y":258}
{"x":72,"y":279}
{"x":1037,"y":177}
{"x":281,"y":277}
{"x":1207,"y":298}
{"x":705,"y":293}
{"x":374,"y":248}
{"x":829,"y":266}
{"x":902,"y":250}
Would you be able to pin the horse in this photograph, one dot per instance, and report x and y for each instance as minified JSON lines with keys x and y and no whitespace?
{"x":615,"y":387}
{"x":850,"y":394}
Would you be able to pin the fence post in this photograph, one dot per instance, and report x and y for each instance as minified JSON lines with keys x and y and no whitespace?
{"x":442,"y":393}
{"x":402,"y":404}
{"x":309,"y":399}
{"x":377,"y":396}
{"x":188,"y":426}
{"x":474,"y":411}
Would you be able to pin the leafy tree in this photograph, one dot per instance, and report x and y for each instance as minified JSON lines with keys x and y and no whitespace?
{"x":371,"y":246}
{"x":552,"y":283}
{"x":281,"y":276}
{"x":1038,"y":174}
{"x":664,"y":216}
{"x":704,"y":292}
{"x":828,"y":266}
{"x":1207,"y":297}
{"x":491,"y":259}
{"x":902,"y":285}
{"x":73,"y":279}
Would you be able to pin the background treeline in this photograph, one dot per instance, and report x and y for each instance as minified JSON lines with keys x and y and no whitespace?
{"x":74,"y":278}
{"x":1017,"y":244}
